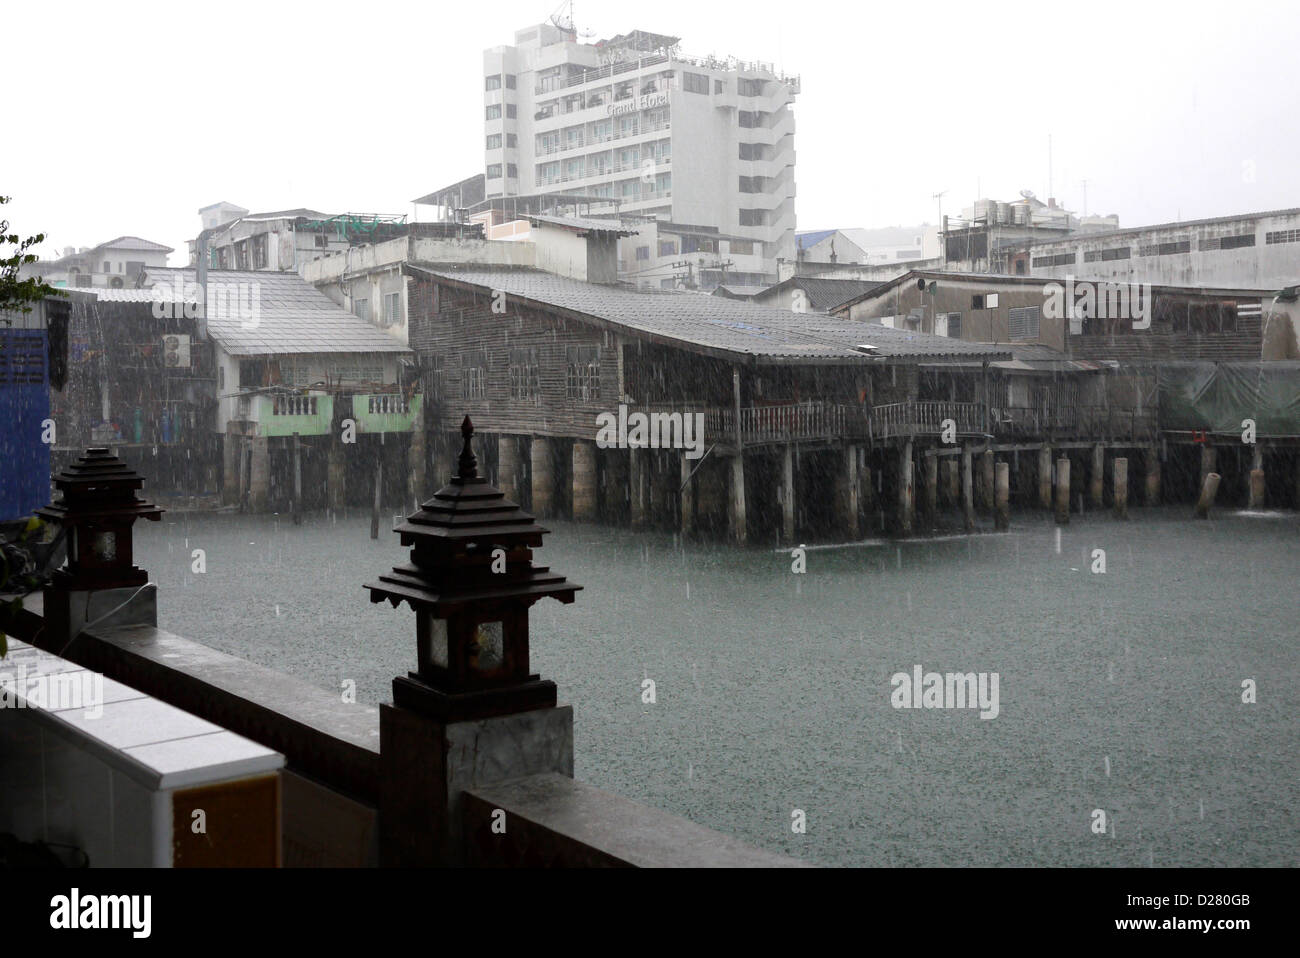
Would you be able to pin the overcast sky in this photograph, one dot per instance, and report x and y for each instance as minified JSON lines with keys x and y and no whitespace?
{"x":125,"y":118}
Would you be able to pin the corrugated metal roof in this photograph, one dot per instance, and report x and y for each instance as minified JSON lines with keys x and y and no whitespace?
{"x":290,"y":315}
{"x":717,"y":325}
{"x":581,"y":224}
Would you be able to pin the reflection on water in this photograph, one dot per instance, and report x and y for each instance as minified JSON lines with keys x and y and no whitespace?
{"x":1119,"y":691}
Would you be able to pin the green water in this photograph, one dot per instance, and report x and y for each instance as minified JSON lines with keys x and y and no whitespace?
{"x":773,"y":688}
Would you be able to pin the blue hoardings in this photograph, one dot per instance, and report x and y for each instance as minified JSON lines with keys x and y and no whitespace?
{"x":24,"y":408}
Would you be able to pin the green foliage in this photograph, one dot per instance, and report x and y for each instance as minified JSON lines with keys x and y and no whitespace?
{"x":17,"y":295}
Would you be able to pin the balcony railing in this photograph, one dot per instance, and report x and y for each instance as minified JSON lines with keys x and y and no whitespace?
{"x":926,"y":418}
{"x":784,"y":423}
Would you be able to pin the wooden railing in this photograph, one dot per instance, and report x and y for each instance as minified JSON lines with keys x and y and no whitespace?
{"x":783,"y":423}
{"x":926,"y":418}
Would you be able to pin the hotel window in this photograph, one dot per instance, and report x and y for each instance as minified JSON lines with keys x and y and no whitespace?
{"x":512,"y":171}
{"x":492,"y":82}
{"x":751,"y":184}
{"x":667,"y":248}
{"x":695,"y":83}
{"x":525,"y":377}
{"x":493,"y":112}
{"x":628,"y":126}
{"x":494,"y":141}
{"x":749,"y":119}
{"x":510,"y":81}
{"x":392,"y":309}
{"x":753,"y":217}
{"x":643,"y":252}
{"x":663,"y":182}
{"x":582,"y":382}
{"x":512,"y":141}
{"x":742,"y":247}
{"x":473,"y":374}
{"x":494,"y":171}
{"x":1023,"y":322}
{"x":361,"y":307}
{"x":719,"y":86}
{"x":749,"y":87}
{"x":510,"y":111}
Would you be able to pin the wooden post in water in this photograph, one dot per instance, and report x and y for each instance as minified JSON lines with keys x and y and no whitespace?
{"x":1002,"y":496}
{"x":688,"y":496}
{"x":1063,"y":491}
{"x":787,"y":494}
{"x":906,"y":494}
{"x":931,"y":489}
{"x":951,"y":480}
{"x":967,"y":490}
{"x":987,"y":495}
{"x":379,"y":486}
{"x":1209,"y":489}
{"x":297,"y":480}
{"x":1258,"y":485}
{"x":1121,"y":488}
{"x":847,"y":498}
{"x":1045,"y":476}
{"x":1153,"y":476}
{"x":1097,"y":478}
{"x":736,"y":499}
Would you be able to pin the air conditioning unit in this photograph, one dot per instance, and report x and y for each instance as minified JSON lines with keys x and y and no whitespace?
{"x":176,"y":351}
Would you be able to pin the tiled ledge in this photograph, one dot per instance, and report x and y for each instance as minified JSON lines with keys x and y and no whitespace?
{"x":157,"y":745}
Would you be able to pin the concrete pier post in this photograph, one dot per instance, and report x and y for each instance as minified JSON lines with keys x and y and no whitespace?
{"x":584,"y":481}
{"x":1045,"y":476}
{"x":1209,"y":489}
{"x":1153,"y":477}
{"x":335,"y":474}
{"x":736,"y":499}
{"x":967,"y":489}
{"x":787,"y":494}
{"x":710,"y":493}
{"x":986,"y":480}
{"x":1002,"y":495}
{"x":1121,"y":488}
{"x":1097,"y":477}
{"x":418,"y":461}
{"x":1062,"y":491}
{"x":636,"y":468}
{"x":230,"y":461}
{"x":1258,"y":486}
{"x":259,"y":484}
{"x":867,"y":491}
{"x":543,"y":477}
{"x":906,"y":490}
{"x":379,"y":495}
{"x":508,"y":466}
{"x":847,"y":498}
{"x":1209,"y":460}
{"x":297,"y":479}
{"x":931,"y":489}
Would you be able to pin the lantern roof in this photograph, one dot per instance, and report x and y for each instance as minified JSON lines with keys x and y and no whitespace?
{"x":453,"y":534}
{"x":102,"y":485}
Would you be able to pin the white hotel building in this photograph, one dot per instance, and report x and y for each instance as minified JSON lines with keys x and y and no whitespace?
{"x":702,"y":148}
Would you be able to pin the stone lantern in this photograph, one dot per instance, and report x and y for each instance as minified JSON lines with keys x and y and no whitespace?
{"x":471,"y":582}
{"x":97,"y":507}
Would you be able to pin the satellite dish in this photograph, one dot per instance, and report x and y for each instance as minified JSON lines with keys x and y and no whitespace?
{"x":1027,"y":194}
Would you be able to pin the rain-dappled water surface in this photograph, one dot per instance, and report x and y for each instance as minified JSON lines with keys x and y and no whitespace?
{"x":1118,"y":691}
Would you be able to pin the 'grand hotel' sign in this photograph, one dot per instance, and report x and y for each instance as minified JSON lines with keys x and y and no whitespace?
{"x":647,"y":102}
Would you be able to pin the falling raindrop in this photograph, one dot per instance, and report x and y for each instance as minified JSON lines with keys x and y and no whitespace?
{"x":277,"y":612}
{"x":1058,"y":542}
{"x":1107,"y":760}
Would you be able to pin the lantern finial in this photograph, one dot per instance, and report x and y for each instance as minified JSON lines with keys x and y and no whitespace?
{"x":468,"y":461}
